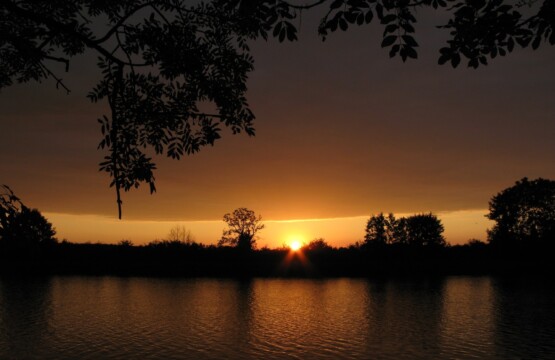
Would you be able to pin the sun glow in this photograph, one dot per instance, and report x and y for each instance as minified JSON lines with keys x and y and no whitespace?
{"x":295,"y":245}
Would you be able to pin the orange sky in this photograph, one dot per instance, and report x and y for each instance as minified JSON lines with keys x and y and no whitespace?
{"x":343,"y":132}
{"x":460,"y":227}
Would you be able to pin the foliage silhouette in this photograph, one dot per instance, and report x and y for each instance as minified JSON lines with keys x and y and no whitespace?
{"x":416,"y":230}
{"x":399,"y":232}
{"x":172,"y":73}
{"x":22,"y":229}
{"x":174,"y":258}
{"x":425,"y":230}
{"x":524,"y":214}
{"x":378,"y":230}
{"x":125,"y":243}
{"x":163,"y":63}
{"x":476,"y":243}
{"x":10,"y":205}
{"x":243,"y":225}
{"x":416,"y":247}
{"x":169,"y":258}
{"x":318,"y":244}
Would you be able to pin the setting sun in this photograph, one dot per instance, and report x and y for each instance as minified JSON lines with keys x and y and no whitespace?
{"x":295,"y":245}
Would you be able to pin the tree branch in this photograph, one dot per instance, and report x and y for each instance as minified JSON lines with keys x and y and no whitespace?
{"x":120,"y":23}
{"x":63,"y":28}
{"x":112,"y":100}
{"x":59,"y":82}
{"x":161,"y":15}
{"x":304,"y":7}
{"x":58,"y":59}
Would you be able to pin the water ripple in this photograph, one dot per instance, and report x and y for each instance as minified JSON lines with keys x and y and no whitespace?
{"x":114,"y":318}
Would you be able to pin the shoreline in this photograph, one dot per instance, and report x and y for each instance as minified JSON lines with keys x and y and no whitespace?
{"x":197,"y":261}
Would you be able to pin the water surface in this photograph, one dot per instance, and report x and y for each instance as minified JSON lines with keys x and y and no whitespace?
{"x":115,"y":318}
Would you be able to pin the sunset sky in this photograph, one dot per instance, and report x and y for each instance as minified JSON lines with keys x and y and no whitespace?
{"x":343,"y":132}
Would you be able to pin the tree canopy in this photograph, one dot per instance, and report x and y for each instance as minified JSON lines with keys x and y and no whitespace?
{"x":10,"y":205}
{"x":21,"y":227}
{"x":378,"y":230}
{"x":174,"y":72}
{"x":243,"y":225}
{"x":415,"y":230}
{"x":425,"y":230}
{"x":523,"y":213}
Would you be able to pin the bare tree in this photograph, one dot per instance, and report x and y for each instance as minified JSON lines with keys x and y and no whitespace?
{"x":180,"y":233}
{"x":243,"y":225}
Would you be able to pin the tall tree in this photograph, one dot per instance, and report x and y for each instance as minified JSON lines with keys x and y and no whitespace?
{"x":377,"y":230}
{"x":243,"y":225}
{"x":523,"y":213}
{"x":398,"y":229}
{"x":174,"y":72}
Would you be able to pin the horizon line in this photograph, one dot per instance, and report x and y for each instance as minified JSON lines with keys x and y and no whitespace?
{"x":402,"y":214}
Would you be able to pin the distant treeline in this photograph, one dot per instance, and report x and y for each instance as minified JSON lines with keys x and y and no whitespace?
{"x":521,"y":241}
{"x":317,"y":259}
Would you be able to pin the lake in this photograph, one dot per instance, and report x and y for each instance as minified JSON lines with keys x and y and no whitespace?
{"x":153,"y":318}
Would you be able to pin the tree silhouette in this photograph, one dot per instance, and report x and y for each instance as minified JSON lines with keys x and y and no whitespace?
{"x":180,"y":234}
{"x":317,"y":245}
{"x":160,"y":62}
{"x":378,"y":230}
{"x":523,"y":213}
{"x":164,"y":62}
{"x":125,"y":243}
{"x":424,"y":230}
{"x":28,"y":228}
{"x":419,"y":230}
{"x":399,"y":231}
{"x":243,"y":225}
{"x":22,"y":228}
{"x":10,"y":205}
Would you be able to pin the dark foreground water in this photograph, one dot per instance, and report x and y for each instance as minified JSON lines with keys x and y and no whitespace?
{"x":119,"y":318}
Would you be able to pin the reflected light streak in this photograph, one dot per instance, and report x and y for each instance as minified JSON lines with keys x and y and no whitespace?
{"x":296,"y":258}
